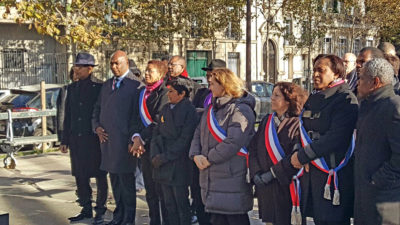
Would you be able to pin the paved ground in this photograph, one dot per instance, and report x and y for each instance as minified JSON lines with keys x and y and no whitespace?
{"x":41,"y":191}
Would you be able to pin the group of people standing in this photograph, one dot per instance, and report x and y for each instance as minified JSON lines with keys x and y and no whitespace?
{"x":328,"y":155}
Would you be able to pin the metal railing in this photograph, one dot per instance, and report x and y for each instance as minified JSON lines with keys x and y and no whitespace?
{"x":19,"y":67}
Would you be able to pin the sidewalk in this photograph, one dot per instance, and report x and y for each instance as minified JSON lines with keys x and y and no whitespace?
{"x":41,"y":191}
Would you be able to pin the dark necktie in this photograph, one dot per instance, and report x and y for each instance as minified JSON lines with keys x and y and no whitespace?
{"x":115,"y":84}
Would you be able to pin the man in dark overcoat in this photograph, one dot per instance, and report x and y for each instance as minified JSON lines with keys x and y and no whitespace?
{"x":115,"y":119}
{"x":83,"y":143}
{"x":377,"y":152}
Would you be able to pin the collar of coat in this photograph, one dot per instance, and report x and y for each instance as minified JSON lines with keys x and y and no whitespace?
{"x":327,"y":93}
{"x":318,"y":100}
{"x":383,"y":92}
{"x":221,"y":101}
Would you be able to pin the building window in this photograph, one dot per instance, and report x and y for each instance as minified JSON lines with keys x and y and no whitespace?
{"x":13,"y":59}
{"x":230,"y":32}
{"x":289,"y":37}
{"x":327,"y":45}
{"x":356,"y":46}
{"x":195,"y":29}
{"x":158,"y":54}
{"x":369,"y":43}
{"x":342,"y":47}
{"x":234,"y":62}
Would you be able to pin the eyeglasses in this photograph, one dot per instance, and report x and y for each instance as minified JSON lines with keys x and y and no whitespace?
{"x":151,"y":71}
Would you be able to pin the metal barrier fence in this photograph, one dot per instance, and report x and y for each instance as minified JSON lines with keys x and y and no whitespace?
{"x":19,"y":67}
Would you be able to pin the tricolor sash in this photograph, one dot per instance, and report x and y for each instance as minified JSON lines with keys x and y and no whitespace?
{"x":143,"y":111}
{"x":276,"y":154}
{"x":220,"y":134}
{"x":321,"y":164}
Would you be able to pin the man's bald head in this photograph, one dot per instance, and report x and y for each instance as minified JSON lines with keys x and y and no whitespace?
{"x":176,"y":65}
{"x":349,"y":61}
{"x":387,"y":48}
{"x":119,"y":63}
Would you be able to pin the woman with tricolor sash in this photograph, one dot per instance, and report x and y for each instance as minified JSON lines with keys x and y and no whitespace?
{"x":219,"y":150}
{"x":152,"y":99}
{"x":270,"y":151}
{"x":327,"y":123}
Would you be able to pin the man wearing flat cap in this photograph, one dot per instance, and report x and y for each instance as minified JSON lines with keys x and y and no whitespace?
{"x":203,"y":96}
{"x":83,"y":143}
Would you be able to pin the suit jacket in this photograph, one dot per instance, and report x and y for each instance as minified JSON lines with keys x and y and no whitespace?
{"x":117,"y":112}
{"x":78,"y":133}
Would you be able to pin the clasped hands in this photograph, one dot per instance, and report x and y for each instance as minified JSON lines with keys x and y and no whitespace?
{"x":201,"y":162}
{"x":137,"y":148}
{"x":294,"y":160}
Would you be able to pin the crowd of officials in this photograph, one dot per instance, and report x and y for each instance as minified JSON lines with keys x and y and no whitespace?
{"x":332,"y":154}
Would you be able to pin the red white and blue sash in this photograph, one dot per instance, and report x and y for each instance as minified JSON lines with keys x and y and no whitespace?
{"x":321,"y":164}
{"x":143,"y":111}
{"x":276,"y":154}
{"x":220,"y":134}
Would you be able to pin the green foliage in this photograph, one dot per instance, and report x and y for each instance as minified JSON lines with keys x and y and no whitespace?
{"x":91,"y":23}
{"x":314,"y":22}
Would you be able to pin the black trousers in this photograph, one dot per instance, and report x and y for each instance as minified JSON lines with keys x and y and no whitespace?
{"x":84,"y":192}
{"x":154,"y":197}
{"x":124,"y":191}
{"x":197,"y":203}
{"x":177,"y":203}
{"x":224,"y":219}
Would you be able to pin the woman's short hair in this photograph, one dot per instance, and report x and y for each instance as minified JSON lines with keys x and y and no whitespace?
{"x":336,"y":65}
{"x":295,"y":95}
{"x":159,"y":65}
{"x":318,"y":57}
{"x":232,"y":84}
{"x":180,"y":85}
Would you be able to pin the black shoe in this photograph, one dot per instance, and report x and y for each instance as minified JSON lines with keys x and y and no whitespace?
{"x":98,"y":219}
{"x":81,"y":216}
{"x":113,"y":222}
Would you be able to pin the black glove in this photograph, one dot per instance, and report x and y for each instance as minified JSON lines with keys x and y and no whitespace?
{"x":257,"y":180}
{"x":158,"y":161}
{"x":266,"y":177}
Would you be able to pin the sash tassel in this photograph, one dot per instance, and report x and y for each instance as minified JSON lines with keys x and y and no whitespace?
{"x":321,"y":164}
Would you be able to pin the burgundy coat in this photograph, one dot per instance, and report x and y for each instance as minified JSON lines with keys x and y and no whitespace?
{"x":274,"y":200}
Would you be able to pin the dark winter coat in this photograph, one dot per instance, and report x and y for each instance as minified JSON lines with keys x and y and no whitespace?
{"x":155,"y":102}
{"x":61,"y":101}
{"x":377,"y":154}
{"x":78,"y":133}
{"x":171,"y":140}
{"x":223,"y":185}
{"x":274,"y":200}
{"x":117,"y":111}
{"x":352,"y":79}
{"x":330,"y":116}
{"x":157,"y":99}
